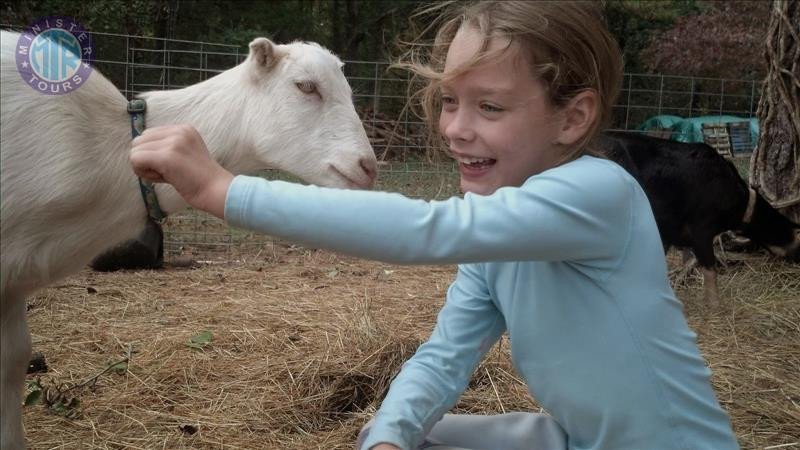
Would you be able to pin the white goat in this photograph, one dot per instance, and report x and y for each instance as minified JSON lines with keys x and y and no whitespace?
{"x":68,"y":191}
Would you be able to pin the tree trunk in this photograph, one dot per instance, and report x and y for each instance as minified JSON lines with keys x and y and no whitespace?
{"x":775,"y":164}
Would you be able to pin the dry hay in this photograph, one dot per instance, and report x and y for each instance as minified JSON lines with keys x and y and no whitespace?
{"x":305,"y":343}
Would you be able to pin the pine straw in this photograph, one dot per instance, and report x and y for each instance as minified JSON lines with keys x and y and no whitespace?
{"x":305,"y":344}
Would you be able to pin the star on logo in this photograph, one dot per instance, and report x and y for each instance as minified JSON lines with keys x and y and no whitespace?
{"x":87,"y":66}
{"x":24,"y":64}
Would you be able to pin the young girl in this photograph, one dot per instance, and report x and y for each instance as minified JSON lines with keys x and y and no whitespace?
{"x":556,"y":247}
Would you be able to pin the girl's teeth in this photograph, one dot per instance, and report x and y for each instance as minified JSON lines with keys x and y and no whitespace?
{"x":475,"y":160}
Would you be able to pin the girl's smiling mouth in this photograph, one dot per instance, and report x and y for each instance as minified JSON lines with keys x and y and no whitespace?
{"x":473,"y":166}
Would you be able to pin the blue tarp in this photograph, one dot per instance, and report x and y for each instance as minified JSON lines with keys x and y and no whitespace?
{"x":662,"y":122}
{"x":691,"y":130}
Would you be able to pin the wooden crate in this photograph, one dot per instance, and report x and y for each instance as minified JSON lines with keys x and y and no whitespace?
{"x":716,"y":135}
{"x":741,"y":142}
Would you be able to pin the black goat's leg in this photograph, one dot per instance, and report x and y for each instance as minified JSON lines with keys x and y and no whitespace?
{"x":679,"y":274}
{"x":703,"y":249}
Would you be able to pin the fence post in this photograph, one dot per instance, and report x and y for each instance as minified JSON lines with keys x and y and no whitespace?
{"x":168,"y":58}
{"x":133,"y":70}
{"x":202,"y":62}
{"x":375,"y":92}
{"x":628,"y":106}
{"x":128,"y":66}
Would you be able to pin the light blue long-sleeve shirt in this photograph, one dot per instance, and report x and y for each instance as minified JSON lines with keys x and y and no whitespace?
{"x":570,"y":264}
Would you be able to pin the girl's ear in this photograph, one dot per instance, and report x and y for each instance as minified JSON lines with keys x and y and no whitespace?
{"x":578,"y":117}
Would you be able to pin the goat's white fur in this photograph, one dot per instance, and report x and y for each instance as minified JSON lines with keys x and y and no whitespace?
{"x":68,"y":191}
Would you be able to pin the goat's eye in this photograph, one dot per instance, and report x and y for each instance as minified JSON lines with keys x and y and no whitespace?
{"x":307,"y":87}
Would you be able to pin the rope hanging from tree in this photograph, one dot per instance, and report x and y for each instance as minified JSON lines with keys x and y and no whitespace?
{"x":779,"y":111}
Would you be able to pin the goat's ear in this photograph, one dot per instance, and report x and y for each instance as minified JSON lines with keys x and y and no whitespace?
{"x":264,"y":55}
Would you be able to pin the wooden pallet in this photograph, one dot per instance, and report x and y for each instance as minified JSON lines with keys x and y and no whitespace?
{"x":739,"y":133}
{"x":716,"y":135}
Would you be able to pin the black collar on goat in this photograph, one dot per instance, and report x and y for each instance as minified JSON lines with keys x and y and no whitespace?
{"x":136,"y":108}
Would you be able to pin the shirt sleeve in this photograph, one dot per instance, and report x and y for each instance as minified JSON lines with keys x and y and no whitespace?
{"x":431,"y":382}
{"x":574,"y":212}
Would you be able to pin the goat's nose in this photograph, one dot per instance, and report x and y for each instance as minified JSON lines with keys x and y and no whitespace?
{"x":370,"y":167}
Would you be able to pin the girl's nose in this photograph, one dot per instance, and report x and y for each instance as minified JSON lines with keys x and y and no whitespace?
{"x":456,"y":126}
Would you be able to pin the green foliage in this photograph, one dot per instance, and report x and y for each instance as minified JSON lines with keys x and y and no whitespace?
{"x":118,"y":367}
{"x":634,"y":22}
{"x":53,"y":398}
{"x":69,"y":408}
{"x":61,"y":398}
{"x":33,"y":392}
{"x":110,"y":16}
{"x":723,"y":40}
{"x":200,"y":340}
{"x":354,"y":29}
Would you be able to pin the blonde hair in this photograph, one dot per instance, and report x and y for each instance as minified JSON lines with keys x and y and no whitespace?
{"x":567,"y":43}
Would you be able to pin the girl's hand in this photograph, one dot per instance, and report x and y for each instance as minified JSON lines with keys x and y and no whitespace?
{"x":176,"y":154}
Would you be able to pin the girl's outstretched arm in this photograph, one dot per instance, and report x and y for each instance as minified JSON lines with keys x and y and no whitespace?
{"x":580,"y":211}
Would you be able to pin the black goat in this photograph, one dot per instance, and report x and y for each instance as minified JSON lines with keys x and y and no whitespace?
{"x":144,"y":252}
{"x":697,"y":194}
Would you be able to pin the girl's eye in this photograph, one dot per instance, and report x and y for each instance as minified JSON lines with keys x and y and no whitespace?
{"x":447,"y":100}
{"x":306,"y":87}
{"x":490,"y":108}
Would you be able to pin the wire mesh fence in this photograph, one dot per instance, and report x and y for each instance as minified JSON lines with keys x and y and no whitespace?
{"x":647,"y":95}
{"x":137,"y":64}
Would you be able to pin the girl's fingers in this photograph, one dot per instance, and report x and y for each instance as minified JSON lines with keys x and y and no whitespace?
{"x":142,"y":170}
{"x":152,"y":134}
{"x":159,"y":146}
{"x":163,"y":132}
{"x":150,"y":175}
{"x":169,"y":154}
{"x":148,"y":162}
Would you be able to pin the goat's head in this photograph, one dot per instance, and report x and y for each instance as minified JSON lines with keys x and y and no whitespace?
{"x":300,"y":116}
{"x":774,"y":231}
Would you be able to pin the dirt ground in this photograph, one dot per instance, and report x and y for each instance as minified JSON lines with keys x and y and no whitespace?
{"x":293,"y":349}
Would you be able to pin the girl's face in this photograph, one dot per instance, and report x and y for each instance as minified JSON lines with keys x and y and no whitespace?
{"x":496,"y":118}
